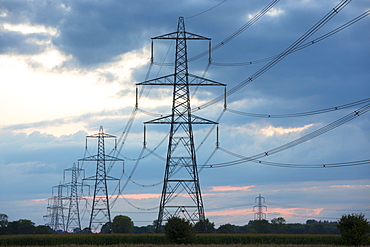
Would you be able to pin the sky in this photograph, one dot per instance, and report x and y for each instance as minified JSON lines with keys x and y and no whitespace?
{"x":68,"y":67}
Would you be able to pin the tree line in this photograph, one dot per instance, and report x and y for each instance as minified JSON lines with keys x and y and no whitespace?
{"x":124,"y":224}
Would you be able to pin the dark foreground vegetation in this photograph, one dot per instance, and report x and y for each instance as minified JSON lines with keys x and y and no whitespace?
{"x":354,"y":230}
{"x":161,"y":239}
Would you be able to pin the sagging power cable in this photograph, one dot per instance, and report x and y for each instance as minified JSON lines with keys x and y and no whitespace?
{"x":296,"y":142}
{"x":309,"y":43}
{"x":283,"y":54}
{"x":301,"y":114}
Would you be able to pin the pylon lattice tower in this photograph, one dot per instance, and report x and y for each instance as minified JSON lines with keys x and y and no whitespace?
{"x":56,"y":208}
{"x":181,"y":173}
{"x":100,"y":212}
{"x":260,"y":215}
{"x":73,"y":217}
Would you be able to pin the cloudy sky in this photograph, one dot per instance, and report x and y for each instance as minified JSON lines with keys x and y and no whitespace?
{"x":68,"y":67}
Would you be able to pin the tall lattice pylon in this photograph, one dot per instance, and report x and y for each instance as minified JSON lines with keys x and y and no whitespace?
{"x":73,"y":217}
{"x":56,"y":209}
{"x":100,"y":211}
{"x":181,"y":173}
{"x":260,"y":215}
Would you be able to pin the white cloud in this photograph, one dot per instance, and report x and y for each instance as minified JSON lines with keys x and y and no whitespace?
{"x":275,"y":12}
{"x":271,"y":130}
{"x":28,"y":29}
{"x":38,"y":88}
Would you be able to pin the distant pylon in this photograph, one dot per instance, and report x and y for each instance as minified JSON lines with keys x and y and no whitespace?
{"x":73,"y":217}
{"x":100,"y":212}
{"x":260,"y":215}
{"x":55,"y":209}
{"x":181,"y":172}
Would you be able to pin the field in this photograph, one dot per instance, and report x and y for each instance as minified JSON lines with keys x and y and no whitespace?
{"x":153,"y":240}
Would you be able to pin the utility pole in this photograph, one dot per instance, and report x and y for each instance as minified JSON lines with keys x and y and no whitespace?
{"x":100,"y":212}
{"x":181,"y":172}
{"x":56,"y":208}
{"x":73,"y":217}
{"x":260,"y":215}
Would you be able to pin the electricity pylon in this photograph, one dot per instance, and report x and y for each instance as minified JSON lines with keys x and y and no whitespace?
{"x":181,"y":173}
{"x":260,"y":215}
{"x":55,"y":209}
{"x":73,"y":217}
{"x":100,"y":211}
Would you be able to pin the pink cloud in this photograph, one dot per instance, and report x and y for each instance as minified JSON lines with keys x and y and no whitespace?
{"x":350,"y":186}
{"x":284,"y":212}
{"x":38,"y":200}
{"x":128,"y":196}
{"x":232,"y":188}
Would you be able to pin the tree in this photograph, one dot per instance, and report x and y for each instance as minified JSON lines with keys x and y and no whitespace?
{"x":3,"y":223}
{"x":354,"y":229}
{"x":106,"y":228}
{"x":21,"y":227}
{"x":278,"y":225}
{"x":122,"y":224}
{"x":179,"y":231}
{"x":260,"y":226}
{"x":3,"y":220}
{"x":86,"y":230}
{"x":210,"y":227}
{"x":42,"y":229}
{"x":227,"y":228}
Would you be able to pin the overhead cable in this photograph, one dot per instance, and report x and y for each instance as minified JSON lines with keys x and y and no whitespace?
{"x":282,"y":55}
{"x":206,"y":10}
{"x":232,"y":36}
{"x":309,"y":43}
{"x":301,"y":114}
{"x":296,"y":142}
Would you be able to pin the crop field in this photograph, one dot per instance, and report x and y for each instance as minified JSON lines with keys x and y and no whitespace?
{"x":153,"y":240}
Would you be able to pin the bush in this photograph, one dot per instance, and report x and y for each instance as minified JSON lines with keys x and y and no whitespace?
{"x":354,"y":229}
{"x":179,"y":231}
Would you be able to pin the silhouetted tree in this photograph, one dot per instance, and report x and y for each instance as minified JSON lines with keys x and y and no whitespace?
{"x":260,"y":226}
{"x":22,"y":226}
{"x":226,"y":228}
{"x":122,"y":224}
{"x":106,"y":228}
{"x":354,"y":229}
{"x":179,"y":231}
{"x":278,"y":225}
{"x":3,"y":223}
{"x":42,"y":229}
{"x":210,"y":227}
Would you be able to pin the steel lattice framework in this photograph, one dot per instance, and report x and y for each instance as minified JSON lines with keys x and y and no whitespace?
{"x":260,"y":215}
{"x":100,"y":212}
{"x":181,"y":173}
{"x":56,"y":208}
{"x":73,"y":217}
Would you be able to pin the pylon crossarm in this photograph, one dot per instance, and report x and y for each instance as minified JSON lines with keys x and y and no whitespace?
{"x":187,"y":35}
{"x":161,"y":81}
{"x":168,"y":120}
{"x":99,"y":157}
{"x":195,"y":80}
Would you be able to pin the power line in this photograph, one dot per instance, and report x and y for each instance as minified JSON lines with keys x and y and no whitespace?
{"x":312,"y":42}
{"x":321,"y":165}
{"x":298,"y":141}
{"x":206,"y":10}
{"x":283,"y":54}
{"x":239,"y":31}
{"x":301,"y":114}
